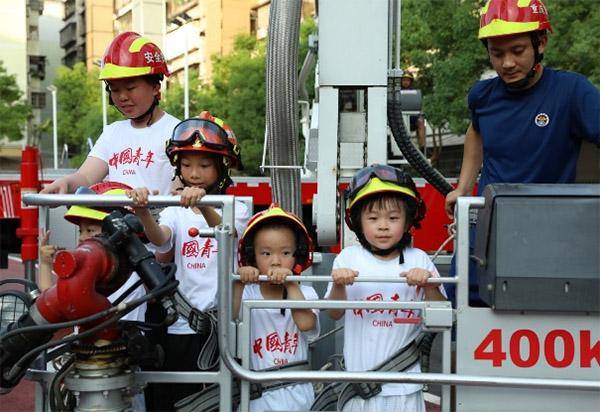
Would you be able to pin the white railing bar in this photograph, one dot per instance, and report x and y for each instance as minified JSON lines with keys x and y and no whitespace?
{"x":359,"y":278}
{"x":344,"y":304}
{"x":117,"y":200}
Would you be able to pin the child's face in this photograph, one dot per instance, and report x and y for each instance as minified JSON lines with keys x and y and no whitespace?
{"x":383,"y":227}
{"x":89,"y":228}
{"x":199,"y":169}
{"x":275,"y":248}
{"x":133,"y":96}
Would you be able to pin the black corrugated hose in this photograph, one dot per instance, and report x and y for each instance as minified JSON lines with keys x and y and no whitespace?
{"x":410,"y":152}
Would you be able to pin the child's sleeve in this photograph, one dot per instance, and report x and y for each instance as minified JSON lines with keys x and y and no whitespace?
{"x":242,"y":215}
{"x":101,"y":149}
{"x":167,"y":218}
{"x":337,"y":263}
{"x":310,"y":294}
{"x":428,"y":264}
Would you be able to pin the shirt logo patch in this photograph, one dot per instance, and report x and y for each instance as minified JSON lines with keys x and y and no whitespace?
{"x":542,"y":120}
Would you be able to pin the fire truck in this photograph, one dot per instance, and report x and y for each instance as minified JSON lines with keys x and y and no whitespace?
{"x":534,"y":345}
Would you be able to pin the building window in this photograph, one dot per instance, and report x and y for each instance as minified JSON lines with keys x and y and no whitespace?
{"x":253,"y":22}
{"x":38,"y":100}
{"x":68,"y":35}
{"x":69,"y":8}
{"x":37,"y":66}
{"x":33,"y":33}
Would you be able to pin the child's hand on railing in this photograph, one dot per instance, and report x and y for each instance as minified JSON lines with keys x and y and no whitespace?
{"x":343,"y":277}
{"x":277,"y":276}
{"x":191,"y":195}
{"x":418,"y":277}
{"x":248,"y":274}
{"x":140,"y":196}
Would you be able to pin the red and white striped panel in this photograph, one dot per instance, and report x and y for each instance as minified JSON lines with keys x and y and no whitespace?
{"x":7,"y":209}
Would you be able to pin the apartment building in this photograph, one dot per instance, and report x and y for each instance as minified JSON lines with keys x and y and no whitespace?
{"x":88,"y":28}
{"x":203,"y":28}
{"x":259,"y":16}
{"x":29,"y":51}
{"x":146,"y":17}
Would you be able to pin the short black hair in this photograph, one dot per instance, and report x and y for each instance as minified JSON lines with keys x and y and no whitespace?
{"x":301,"y":252}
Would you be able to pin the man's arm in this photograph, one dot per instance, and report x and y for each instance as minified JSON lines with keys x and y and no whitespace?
{"x":471,"y":165}
{"x":92,"y":171}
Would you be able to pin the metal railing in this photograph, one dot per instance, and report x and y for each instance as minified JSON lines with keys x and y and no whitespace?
{"x":441,"y":317}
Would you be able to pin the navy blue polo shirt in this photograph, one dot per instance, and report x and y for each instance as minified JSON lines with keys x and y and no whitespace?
{"x":531,"y":136}
{"x":534,"y":136}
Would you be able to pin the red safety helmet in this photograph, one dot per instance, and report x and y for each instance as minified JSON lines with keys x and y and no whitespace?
{"x":75,"y":213}
{"x":205,"y":133}
{"x":379,"y":179}
{"x":507,"y":17}
{"x":131,"y":55}
{"x":275,"y":214}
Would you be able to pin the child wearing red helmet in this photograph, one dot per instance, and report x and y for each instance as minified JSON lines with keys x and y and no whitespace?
{"x":89,"y":220}
{"x":129,"y":151}
{"x":202,"y":149}
{"x":383,"y":206}
{"x":277,"y":244}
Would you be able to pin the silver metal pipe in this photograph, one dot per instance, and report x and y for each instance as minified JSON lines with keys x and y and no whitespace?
{"x":142,"y":377}
{"x":398,"y":31}
{"x":345,"y":304}
{"x":371,"y":376}
{"x":288,"y":167}
{"x":378,"y":279}
{"x":224,"y":239}
{"x":390,"y":32}
{"x":29,"y":271}
{"x":116,"y":201}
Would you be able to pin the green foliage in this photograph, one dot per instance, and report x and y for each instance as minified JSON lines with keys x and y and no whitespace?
{"x":14,"y":111}
{"x":575,"y":42}
{"x":440,"y":39}
{"x":308,"y":27}
{"x":79,"y":104}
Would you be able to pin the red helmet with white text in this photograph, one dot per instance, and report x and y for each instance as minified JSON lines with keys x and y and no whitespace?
{"x":275,"y":214}
{"x":507,"y":17}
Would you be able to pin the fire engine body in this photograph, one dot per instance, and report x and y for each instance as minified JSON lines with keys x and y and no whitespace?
{"x":538,"y":347}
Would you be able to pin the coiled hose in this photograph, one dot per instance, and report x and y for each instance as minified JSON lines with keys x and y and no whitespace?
{"x":282,"y":102}
{"x":410,"y":152}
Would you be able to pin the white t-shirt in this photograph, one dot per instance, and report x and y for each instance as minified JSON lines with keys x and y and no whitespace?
{"x":196,"y":257}
{"x":138,"y":313}
{"x":137,"y":157}
{"x":276,"y":341}
{"x":372,"y":336}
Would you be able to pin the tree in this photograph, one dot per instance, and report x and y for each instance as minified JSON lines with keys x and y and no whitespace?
{"x":14,"y":111}
{"x":79,"y":104}
{"x":439,"y":38}
{"x":575,"y":42}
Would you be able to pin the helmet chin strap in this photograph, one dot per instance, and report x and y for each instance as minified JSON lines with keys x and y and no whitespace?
{"x":381,"y":252}
{"x":146,"y":113}
{"x":525,"y":82}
